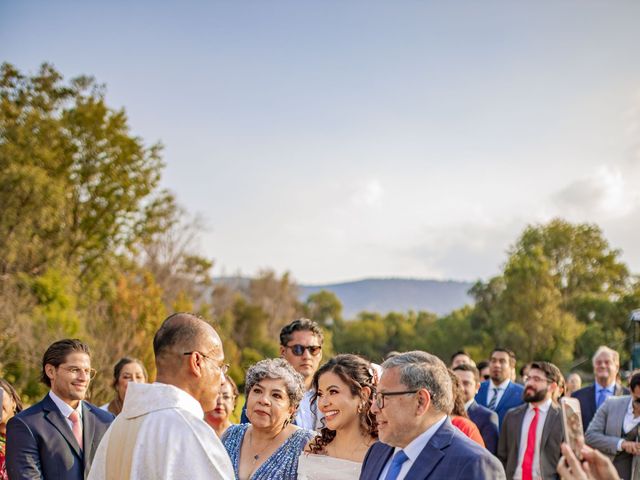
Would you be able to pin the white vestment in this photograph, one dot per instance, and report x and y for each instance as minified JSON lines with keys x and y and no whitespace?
{"x":173,"y":441}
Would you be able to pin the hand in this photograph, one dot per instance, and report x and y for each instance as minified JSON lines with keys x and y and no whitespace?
{"x":594,"y":467}
{"x":631,"y":447}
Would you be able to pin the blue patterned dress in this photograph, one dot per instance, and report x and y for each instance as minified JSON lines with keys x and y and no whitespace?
{"x":281,"y":465}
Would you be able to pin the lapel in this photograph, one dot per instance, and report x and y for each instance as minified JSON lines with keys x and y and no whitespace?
{"x":617,"y":414}
{"x":88,"y":431}
{"x":483,"y":393}
{"x":592,"y":401}
{"x":432,"y":453}
{"x":553,"y":418}
{"x":518,"y":418}
{"x":381,"y":459}
{"x":54,"y":416}
{"x":505,"y":396}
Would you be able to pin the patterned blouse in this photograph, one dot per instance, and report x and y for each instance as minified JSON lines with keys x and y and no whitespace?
{"x":3,"y":466}
{"x":281,"y":465}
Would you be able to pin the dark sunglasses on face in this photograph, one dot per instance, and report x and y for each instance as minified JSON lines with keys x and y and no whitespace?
{"x":298,"y":350}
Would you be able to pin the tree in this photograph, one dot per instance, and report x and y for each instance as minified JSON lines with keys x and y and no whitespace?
{"x":324,"y":308}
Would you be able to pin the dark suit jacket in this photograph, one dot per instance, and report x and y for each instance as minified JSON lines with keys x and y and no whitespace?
{"x":587,"y":398}
{"x":487,"y":422}
{"x":512,"y":397}
{"x":552,"y":436}
{"x":448,"y":455}
{"x":41,"y":445}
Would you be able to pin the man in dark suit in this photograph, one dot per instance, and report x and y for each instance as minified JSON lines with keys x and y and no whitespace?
{"x":58,"y":436}
{"x":486,"y":420}
{"x":606,"y":363}
{"x":531,"y":434}
{"x":614,"y":429}
{"x":417,"y":440}
{"x":499,"y":393}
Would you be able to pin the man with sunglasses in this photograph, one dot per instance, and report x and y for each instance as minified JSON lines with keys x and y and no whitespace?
{"x":416,"y":438}
{"x":301,"y":346}
{"x":58,"y":436}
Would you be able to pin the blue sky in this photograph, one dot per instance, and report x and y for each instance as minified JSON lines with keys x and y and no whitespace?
{"x":340,"y":140}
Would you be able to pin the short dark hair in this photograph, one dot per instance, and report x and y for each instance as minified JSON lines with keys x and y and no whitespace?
{"x":634,"y":381}
{"x":552,"y":372}
{"x":512,"y":356}
{"x":459,"y":352}
{"x":523,"y":368}
{"x":465,"y":367}
{"x":482,"y":365}
{"x":300,"y":325}
{"x":57,"y":353}
{"x":171,"y":333}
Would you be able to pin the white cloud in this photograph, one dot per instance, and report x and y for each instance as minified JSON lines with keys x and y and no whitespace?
{"x":367,"y":193}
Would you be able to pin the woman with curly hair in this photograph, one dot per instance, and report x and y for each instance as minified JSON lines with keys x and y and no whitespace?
{"x":344,"y":389}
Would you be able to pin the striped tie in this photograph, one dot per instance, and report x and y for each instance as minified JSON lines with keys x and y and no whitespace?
{"x":494,"y":399}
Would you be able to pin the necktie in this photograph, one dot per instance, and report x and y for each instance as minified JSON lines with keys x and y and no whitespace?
{"x":494,"y":400}
{"x":396,"y":465}
{"x":602,"y":396}
{"x":527,"y":461}
{"x":76,"y":427}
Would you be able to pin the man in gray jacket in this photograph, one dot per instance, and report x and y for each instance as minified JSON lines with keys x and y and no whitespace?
{"x":614,"y":429}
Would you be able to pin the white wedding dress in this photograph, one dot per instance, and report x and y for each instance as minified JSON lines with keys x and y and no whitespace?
{"x":322,"y":467}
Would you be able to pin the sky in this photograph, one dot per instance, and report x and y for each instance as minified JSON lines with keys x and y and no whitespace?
{"x":340,"y":140}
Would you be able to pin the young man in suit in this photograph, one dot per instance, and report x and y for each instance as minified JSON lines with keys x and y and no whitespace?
{"x":500,"y":393}
{"x":417,"y":440}
{"x":606,"y":364}
{"x":58,"y":436}
{"x":614,"y":429}
{"x":486,"y":420}
{"x":531,"y":434}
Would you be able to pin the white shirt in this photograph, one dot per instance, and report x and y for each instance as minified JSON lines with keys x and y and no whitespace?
{"x":66,"y":409}
{"x":413,"y":450}
{"x":501,"y":389}
{"x":628,"y":423}
{"x":543,"y":409}
{"x":308,"y":416}
{"x":173,"y":442}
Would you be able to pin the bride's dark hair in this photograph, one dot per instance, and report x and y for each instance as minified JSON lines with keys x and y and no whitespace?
{"x":357,"y":373}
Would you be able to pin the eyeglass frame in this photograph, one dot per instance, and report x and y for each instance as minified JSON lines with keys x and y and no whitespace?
{"x":378,"y":397}
{"x":73,"y":370}
{"x":309,"y":348}
{"x":224,"y":367}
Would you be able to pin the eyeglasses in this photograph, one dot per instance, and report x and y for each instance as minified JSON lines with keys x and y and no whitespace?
{"x":298,"y":350}
{"x":224,"y":367}
{"x":379,"y":396}
{"x":75,"y":371}
{"x":536,"y":379}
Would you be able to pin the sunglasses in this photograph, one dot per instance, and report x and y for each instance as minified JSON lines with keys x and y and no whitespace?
{"x":298,"y":350}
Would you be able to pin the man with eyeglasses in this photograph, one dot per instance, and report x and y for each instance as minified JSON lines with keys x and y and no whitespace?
{"x":416,"y":438}
{"x":161,"y":432}
{"x":301,"y":346}
{"x":58,"y":436}
{"x":531,"y":434}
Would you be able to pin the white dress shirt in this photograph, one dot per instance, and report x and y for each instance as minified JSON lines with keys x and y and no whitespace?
{"x":66,"y":409}
{"x":501,"y":389}
{"x":628,"y":423}
{"x":543,"y":409}
{"x":413,"y":450}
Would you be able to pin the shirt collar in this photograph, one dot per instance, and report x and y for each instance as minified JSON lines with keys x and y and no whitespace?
{"x":63,"y":406}
{"x":414,"y":449}
{"x":503,"y":386}
{"x":468,"y":404}
{"x":609,"y":388}
{"x":543,"y":407}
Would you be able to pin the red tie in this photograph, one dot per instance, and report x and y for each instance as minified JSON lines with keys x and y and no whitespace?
{"x":527,"y":461}
{"x":76,"y":427}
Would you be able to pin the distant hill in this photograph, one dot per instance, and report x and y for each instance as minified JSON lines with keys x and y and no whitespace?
{"x":396,"y":294}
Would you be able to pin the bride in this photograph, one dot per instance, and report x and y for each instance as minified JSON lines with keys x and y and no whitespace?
{"x":344,"y":387}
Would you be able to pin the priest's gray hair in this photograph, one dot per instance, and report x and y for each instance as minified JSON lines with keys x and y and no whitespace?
{"x":420,"y":369}
{"x":277,"y":369}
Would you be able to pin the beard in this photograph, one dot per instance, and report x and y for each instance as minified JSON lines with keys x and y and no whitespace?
{"x":531,"y":396}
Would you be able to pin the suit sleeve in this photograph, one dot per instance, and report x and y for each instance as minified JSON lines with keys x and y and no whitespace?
{"x":22,"y":455}
{"x":490,"y":432}
{"x":485,"y":467}
{"x":596,"y":437}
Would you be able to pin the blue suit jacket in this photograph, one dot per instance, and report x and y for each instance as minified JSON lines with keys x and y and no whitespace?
{"x":448,"y":455}
{"x":587,"y":398}
{"x":41,"y":445}
{"x":512,"y":397}
{"x":487,"y":422}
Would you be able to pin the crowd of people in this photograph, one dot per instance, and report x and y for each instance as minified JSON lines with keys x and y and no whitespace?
{"x":412,"y":417}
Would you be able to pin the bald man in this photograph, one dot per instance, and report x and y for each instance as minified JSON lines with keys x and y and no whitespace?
{"x":160,"y":433}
